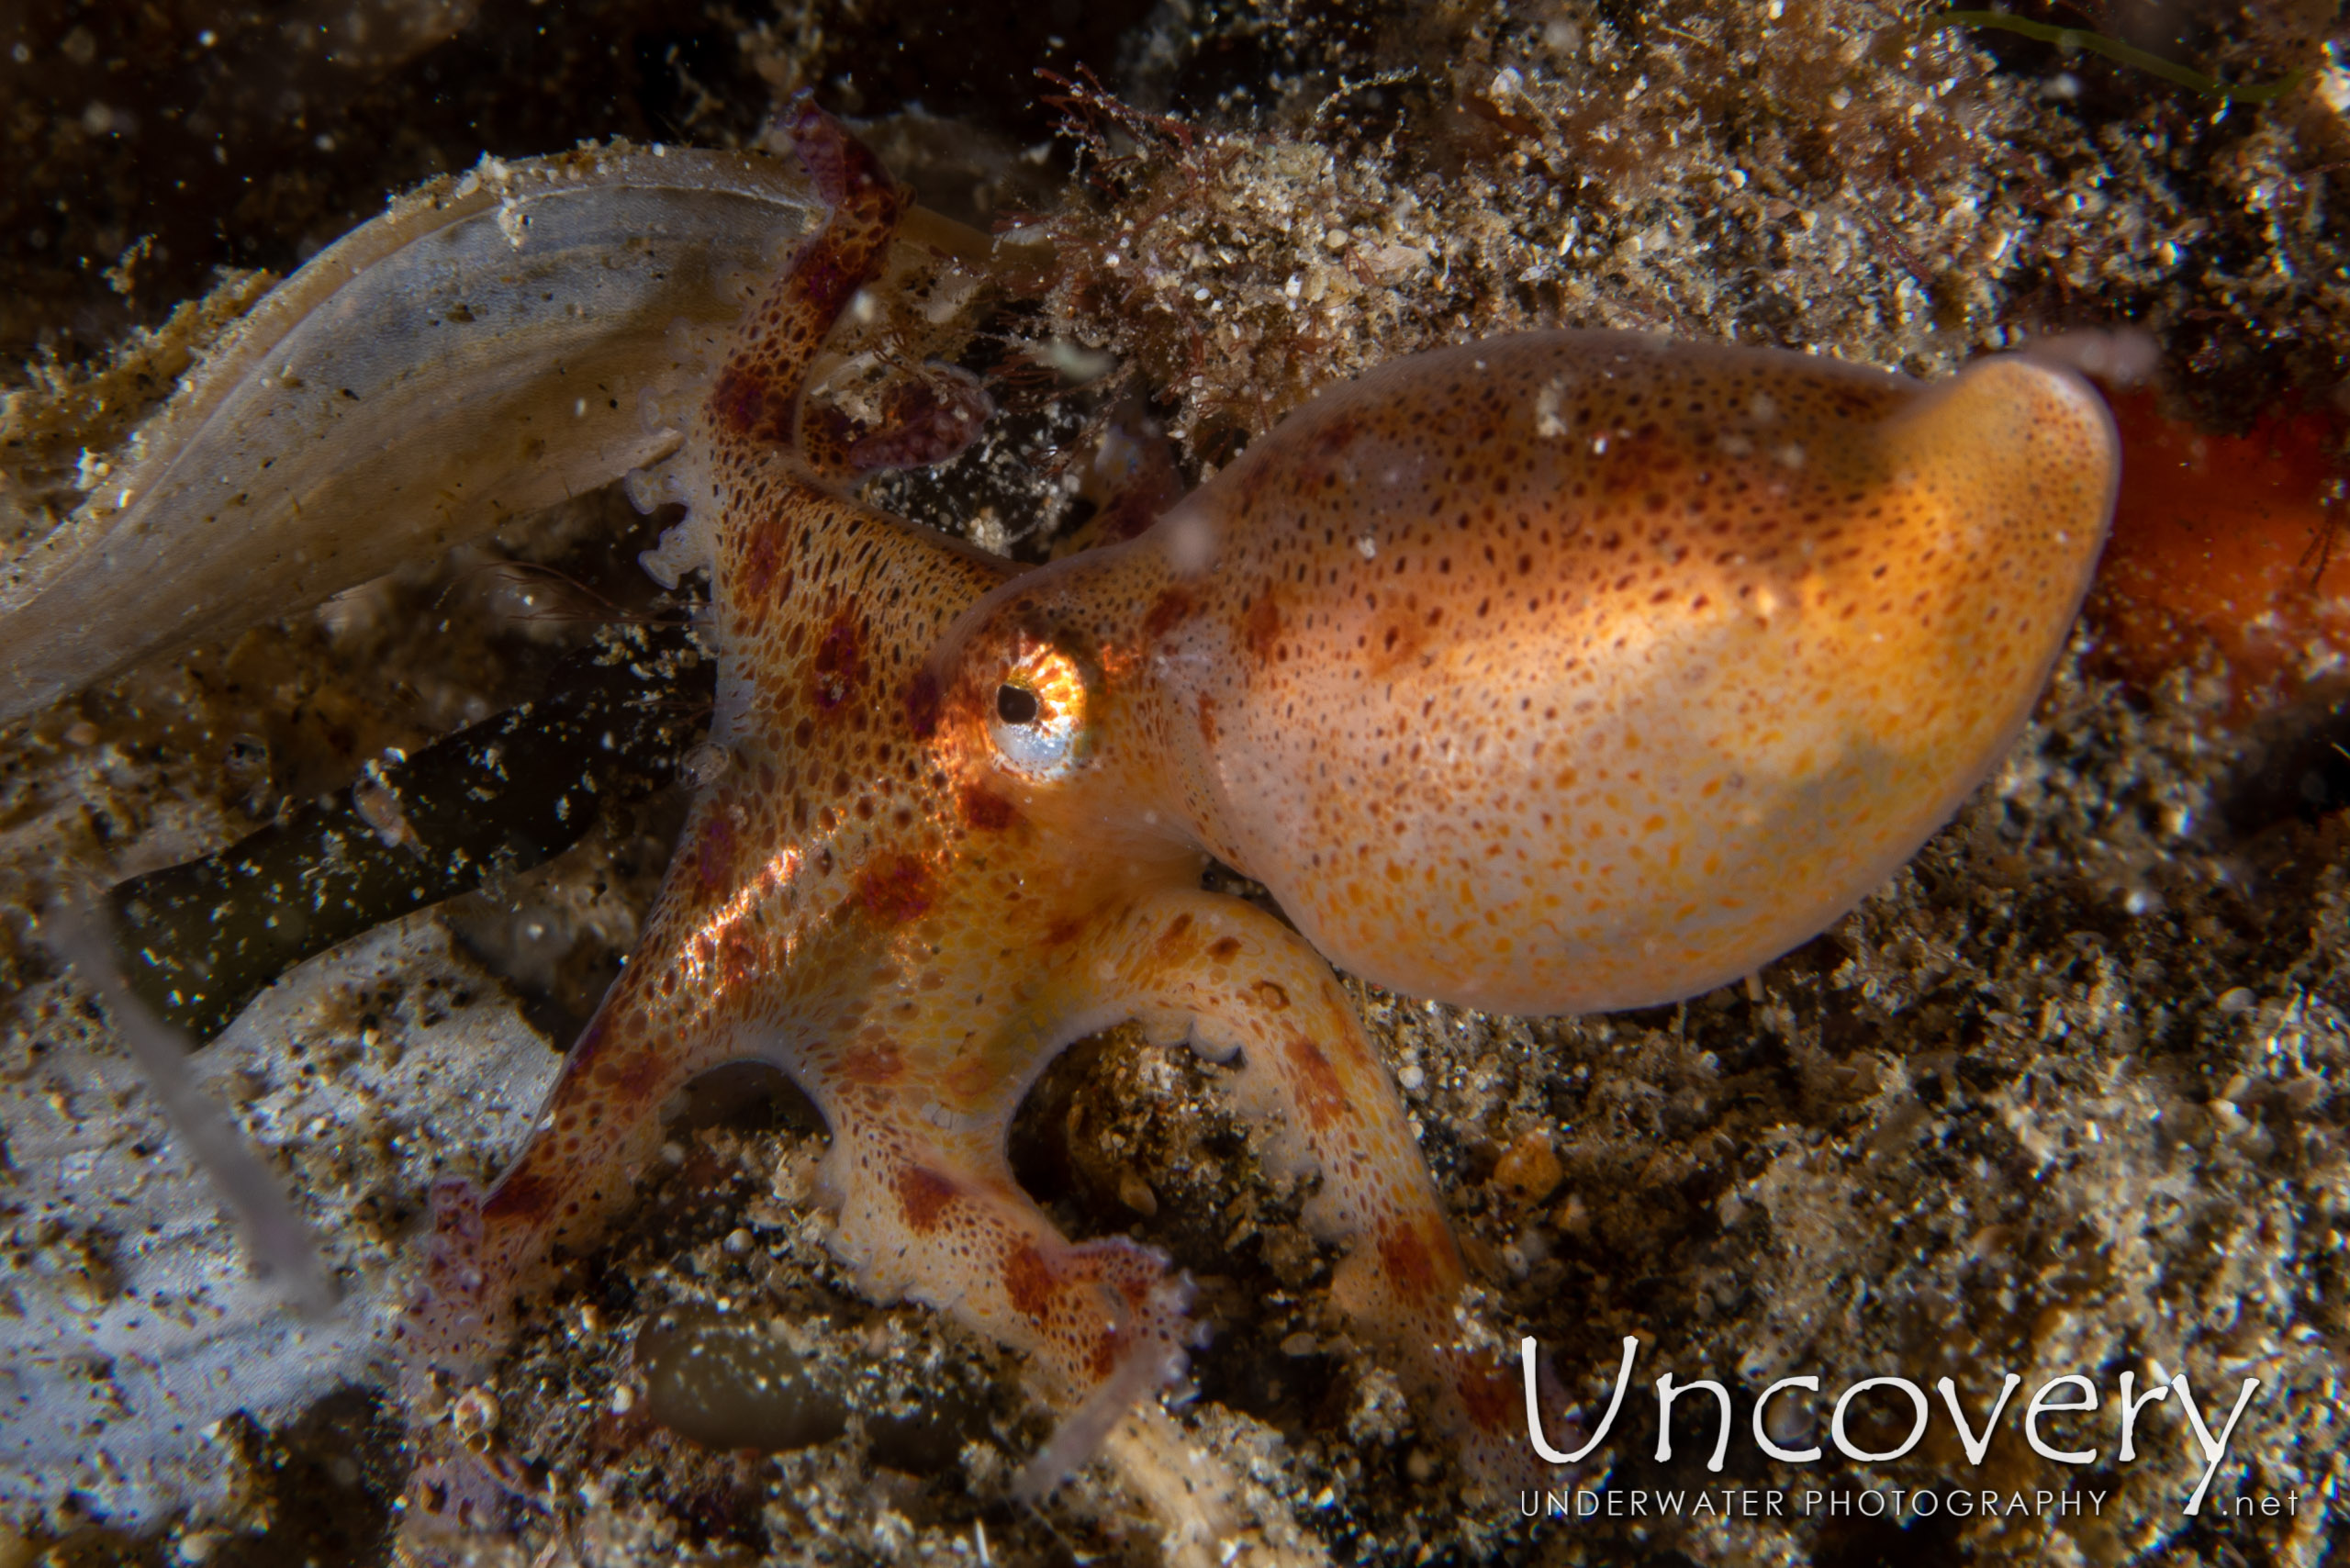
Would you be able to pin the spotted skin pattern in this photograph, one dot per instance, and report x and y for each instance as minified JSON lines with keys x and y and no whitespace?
{"x":1565,"y":671}
{"x":1575,"y":671}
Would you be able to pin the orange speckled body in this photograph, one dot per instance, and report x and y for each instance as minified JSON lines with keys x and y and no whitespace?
{"x":1570,"y":671}
{"x":1578,"y":670}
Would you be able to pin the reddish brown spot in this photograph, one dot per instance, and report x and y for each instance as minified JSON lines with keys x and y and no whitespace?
{"x":1105,"y":1356}
{"x":1636,"y":458}
{"x":1170,"y":610}
{"x":877,"y":1064}
{"x":1262,"y":628}
{"x":761,"y":555}
{"x":1223,"y":948}
{"x":741,"y":403}
{"x":986,"y":809}
{"x":895,"y":889}
{"x":1029,"y":1281}
{"x":1321,"y":1094}
{"x":923,"y":704}
{"x":829,"y":271}
{"x":1409,"y":1266}
{"x":1396,"y":640}
{"x":1316,"y":465}
{"x":738,"y":955}
{"x":1063,"y":933}
{"x":844,"y":171}
{"x":839,"y":666}
{"x":525,"y":1195}
{"x":1487,"y":1397}
{"x":923,"y":1195}
{"x":633,"y":1079}
{"x":1170,"y":939}
{"x":1337,"y":436}
{"x":714,"y":855}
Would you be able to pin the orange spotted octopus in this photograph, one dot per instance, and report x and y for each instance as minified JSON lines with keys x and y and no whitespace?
{"x":1561,"y":672}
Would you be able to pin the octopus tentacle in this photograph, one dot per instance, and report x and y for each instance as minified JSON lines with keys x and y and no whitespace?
{"x":484,"y":1249}
{"x":755,"y":403}
{"x":1256,"y":996}
{"x":942,"y":1221}
{"x":599,"y":1132}
{"x":759,"y":401}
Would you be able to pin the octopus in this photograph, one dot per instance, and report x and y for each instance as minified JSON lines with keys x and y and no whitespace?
{"x":1557,"y":673}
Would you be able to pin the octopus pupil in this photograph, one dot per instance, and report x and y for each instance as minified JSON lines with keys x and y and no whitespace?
{"x":1015,"y":704}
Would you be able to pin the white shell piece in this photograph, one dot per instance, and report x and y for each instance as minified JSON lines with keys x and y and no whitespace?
{"x":482,"y":350}
{"x":138,"y":1325}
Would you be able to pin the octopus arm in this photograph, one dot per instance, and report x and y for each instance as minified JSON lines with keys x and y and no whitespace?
{"x":938,"y":1218}
{"x":1305,"y":1076}
{"x":599,"y":1130}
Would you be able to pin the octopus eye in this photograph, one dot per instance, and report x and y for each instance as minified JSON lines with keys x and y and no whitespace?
{"x":1016,"y":704}
{"x":1039,"y":727}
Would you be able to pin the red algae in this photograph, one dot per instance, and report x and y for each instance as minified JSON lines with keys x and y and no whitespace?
{"x":2230,"y":544}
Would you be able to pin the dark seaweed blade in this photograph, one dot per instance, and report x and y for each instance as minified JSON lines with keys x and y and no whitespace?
{"x":199,"y":940}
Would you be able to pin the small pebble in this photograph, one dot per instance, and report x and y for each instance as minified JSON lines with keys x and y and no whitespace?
{"x":1136,"y":1194}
